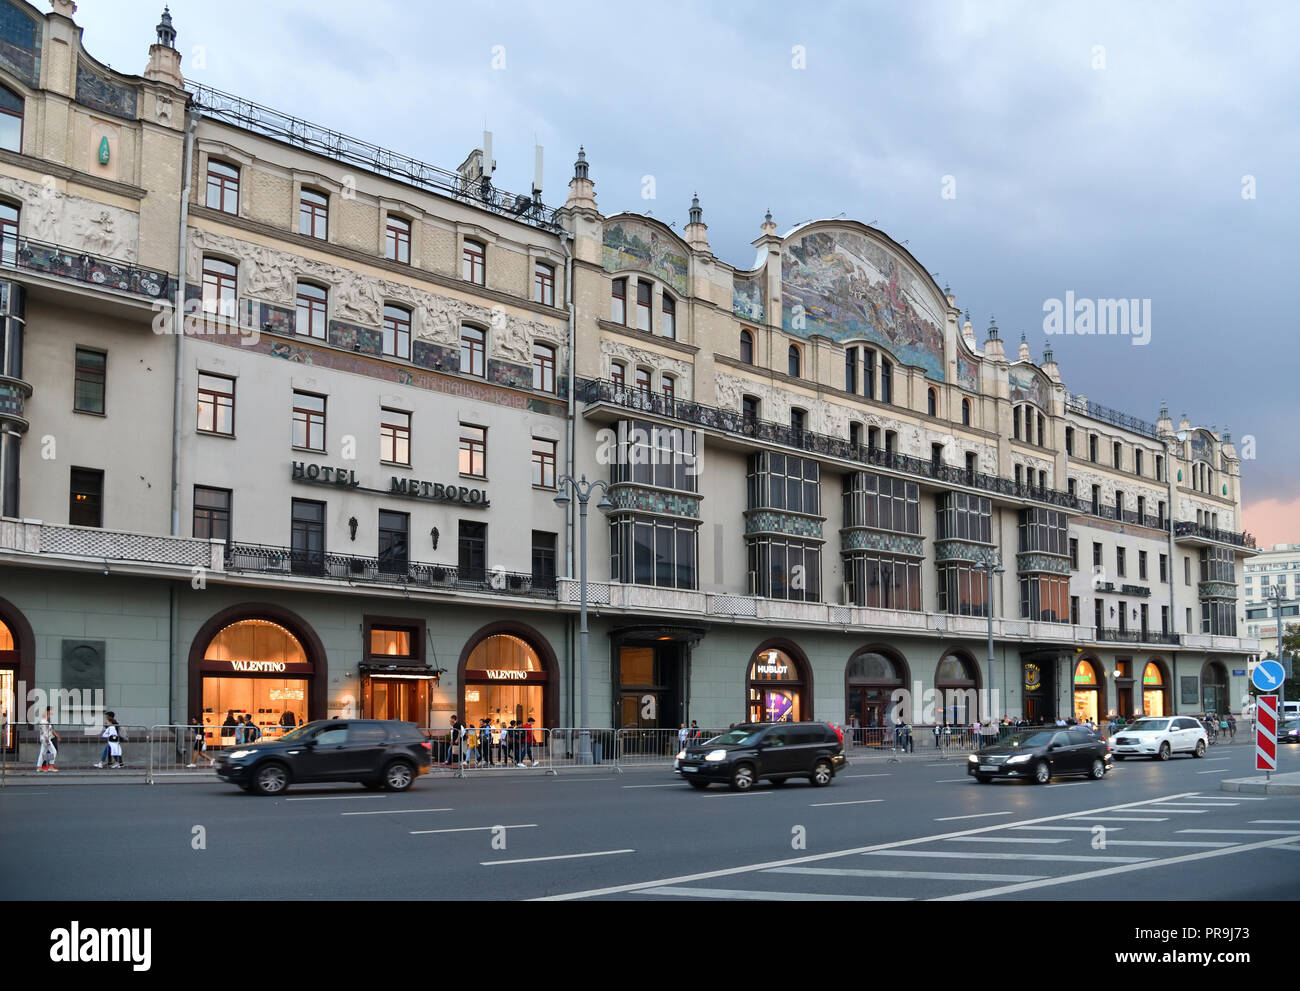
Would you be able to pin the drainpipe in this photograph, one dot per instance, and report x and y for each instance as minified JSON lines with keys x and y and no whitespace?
{"x":570,"y":459}
{"x":178,"y":328}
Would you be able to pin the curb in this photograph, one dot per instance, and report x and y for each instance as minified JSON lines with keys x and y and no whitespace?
{"x":1282,"y":784}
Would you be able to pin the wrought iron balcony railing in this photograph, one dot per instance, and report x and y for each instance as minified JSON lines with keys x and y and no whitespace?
{"x":29,"y":255}
{"x":1184,"y":529}
{"x":1137,"y":636}
{"x":1087,"y":407}
{"x":263,"y":559}
{"x":362,"y":154}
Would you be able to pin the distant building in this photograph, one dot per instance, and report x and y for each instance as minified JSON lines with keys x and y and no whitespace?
{"x":1277,"y":567}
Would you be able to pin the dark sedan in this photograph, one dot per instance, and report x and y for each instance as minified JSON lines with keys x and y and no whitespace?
{"x":1289,"y":731}
{"x":1040,"y":755}
{"x":373,"y":752}
{"x":775,"y":751}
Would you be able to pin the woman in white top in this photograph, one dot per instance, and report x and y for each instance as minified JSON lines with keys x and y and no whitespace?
{"x":114,"y":745}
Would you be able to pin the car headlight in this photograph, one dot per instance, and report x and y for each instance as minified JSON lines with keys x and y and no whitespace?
{"x":973,"y":759}
{"x":241,"y":753}
{"x":1020,"y":758}
{"x":716,"y":755}
{"x":681,"y":755}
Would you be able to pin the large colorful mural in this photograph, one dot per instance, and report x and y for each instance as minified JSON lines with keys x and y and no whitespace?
{"x":1026,"y":387}
{"x":845,"y":286}
{"x":628,"y":244}
{"x":968,"y":372}
{"x":747,"y":299}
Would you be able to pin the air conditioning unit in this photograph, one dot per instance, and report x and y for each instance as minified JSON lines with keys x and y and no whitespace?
{"x":753,"y":583}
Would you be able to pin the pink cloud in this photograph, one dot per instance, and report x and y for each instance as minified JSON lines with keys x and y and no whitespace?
{"x":1273,"y":521}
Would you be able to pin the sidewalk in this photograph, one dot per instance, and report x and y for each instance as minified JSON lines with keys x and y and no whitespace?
{"x":1279,"y":784}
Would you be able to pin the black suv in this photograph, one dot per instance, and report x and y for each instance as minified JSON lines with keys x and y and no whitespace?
{"x":374,"y":752}
{"x":776,"y":751}
{"x":1041,"y":754}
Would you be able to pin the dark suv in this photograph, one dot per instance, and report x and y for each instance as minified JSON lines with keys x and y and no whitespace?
{"x":775,"y":751}
{"x":376,"y":753}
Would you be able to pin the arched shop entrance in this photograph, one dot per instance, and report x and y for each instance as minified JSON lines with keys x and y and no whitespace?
{"x":871,"y":678}
{"x":957,"y":680}
{"x":17,"y":669}
{"x":508,"y":671}
{"x":1089,"y":691}
{"x":1155,"y":690}
{"x":260,"y":662}
{"x":778,"y":688}
{"x":1214,"y":687}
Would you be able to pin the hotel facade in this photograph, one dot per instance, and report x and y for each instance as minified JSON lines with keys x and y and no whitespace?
{"x":285,"y":416}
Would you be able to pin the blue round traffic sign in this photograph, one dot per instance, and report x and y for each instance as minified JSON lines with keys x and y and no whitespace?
{"x":1268,"y":676}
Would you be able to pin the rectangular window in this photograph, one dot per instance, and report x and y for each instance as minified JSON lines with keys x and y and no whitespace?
{"x":1096,"y":555}
{"x":1069,"y":441}
{"x":86,"y":498}
{"x":850,"y":369}
{"x":543,"y":560}
{"x":308,"y":537}
{"x":1142,"y":566}
{"x":1120,"y":568}
{"x":1137,"y":461}
{"x":1074,"y":554}
{"x":473,"y":351}
{"x":313,"y":306}
{"x":963,"y":590}
{"x":1164,"y":568}
{"x":1092,"y":448}
{"x":618,"y":301}
{"x":309,"y":421}
{"x":394,"y":541}
{"x":394,"y":436}
{"x":397,"y":240}
{"x":223,"y":187}
{"x":544,"y":368}
{"x":643,"y":292}
{"x":669,"y":317}
{"x":869,"y":373}
{"x":886,"y":381}
{"x":1118,"y":452}
{"x":397,"y":332}
{"x":390,"y":643}
{"x":8,"y":222}
{"x":88,"y":387}
{"x":472,"y":551}
{"x":544,"y":284}
{"x":647,"y":550}
{"x":211,"y":513}
{"x":883,"y":581}
{"x":617,"y":376}
{"x":1074,"y":610}
{"x":216,"y":405}
{"x":473,"y":450}
{"x":1187,"y":570}
{"x":1164,"y":619}
{"x":786,"y":568}
{"x":473,"y":267}
{"x":544,"y":462}
{"x":220,"y":287}
{"x":313,"y":215}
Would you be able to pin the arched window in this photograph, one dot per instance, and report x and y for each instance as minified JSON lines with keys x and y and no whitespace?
{"x":871,"y":678}
{"x":965,"y":412}
{"x":1153,"y":690}
{"x":11,"y":120}
{"x":855,"y":434}
{"x":957,"y":680}
{"x":794,"y":361}
{"x":746,"y":347}
{"x":777,"y":686}
{"x":313,"y":215}
{"x":669,"y":389}
{"x":1089,"y":691}
{"x":931,"y":402}
{"x":473,"y":351}
{"x":670,"y":316}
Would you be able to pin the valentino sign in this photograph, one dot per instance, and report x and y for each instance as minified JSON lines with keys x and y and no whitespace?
{"x":412,"y":488}
{"x":496,"y":675}
{"x":258,"y":667}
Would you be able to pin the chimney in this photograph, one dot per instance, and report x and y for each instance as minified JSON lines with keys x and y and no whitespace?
{"x":697,"y":230}
{"x":164,"y":59}
{"x":582,"y":191}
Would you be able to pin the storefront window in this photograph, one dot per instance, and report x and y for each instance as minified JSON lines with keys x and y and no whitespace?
{"x":254,"y":670}
{"x":390,"y":643}
{"x":1153,"y":691}
{"x":504,"y":680}
{"x":1088,"y":687}
{"x":871,"y":680}
{"x":775,"y":688}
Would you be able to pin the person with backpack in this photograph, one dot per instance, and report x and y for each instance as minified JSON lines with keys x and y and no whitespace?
{"x":114,"y":743}
{"x":104,"y":754}
{"x":49,"y":753}
{"x":251,"y":732}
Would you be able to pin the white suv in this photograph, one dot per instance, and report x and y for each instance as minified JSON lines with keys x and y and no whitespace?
{"x":1160,"y":738}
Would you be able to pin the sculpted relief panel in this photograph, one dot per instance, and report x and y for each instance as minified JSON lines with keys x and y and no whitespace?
{"x":72,"y":222}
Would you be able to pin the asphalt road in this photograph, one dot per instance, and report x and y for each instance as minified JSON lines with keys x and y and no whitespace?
{"x":914,"y":830}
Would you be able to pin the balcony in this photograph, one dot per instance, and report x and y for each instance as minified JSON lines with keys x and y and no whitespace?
{"x":597,"y":391}
{"x":1105,"y":635}
{"x":1195,"y":533}
{"x":24,"y":254}
{"x":135,"y":551}
{"x":267,"y":560}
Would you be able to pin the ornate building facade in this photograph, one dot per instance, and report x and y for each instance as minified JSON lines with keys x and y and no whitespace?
{"x":324,"y":482}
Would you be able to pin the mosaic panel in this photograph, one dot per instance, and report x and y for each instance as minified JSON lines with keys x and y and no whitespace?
{"x":847,"y":287}
{"x":747,"y":299}
{"x":638,"y":499}
{"x":963,"y":550}
{"x":1049,"y":563}
{"x":628,"y":244}
{"x":429,"y":355}
{"x":20,"y":43}
{"x":791,"y":524}
{"x":351,"y":337}
{"x":509,"y":374}
{"x":12,"y":397}
{"x":1026,"y":387}
{"x":968,"y":373}
{"x":875,"y":540}
{"x":1216,"y":590}
{"x":99,"y":93}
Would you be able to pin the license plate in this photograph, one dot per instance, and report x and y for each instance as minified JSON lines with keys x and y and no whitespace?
{"x":987,"y":767}
{"x":689,"y":770}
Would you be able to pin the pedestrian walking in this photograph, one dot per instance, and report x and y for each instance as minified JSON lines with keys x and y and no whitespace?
{"x":198,"y":742}
{"x":228,"y":728}
{"x":681,"y":736}
{"x":695,"y":734}
{"x":104,"y":754}
{"x":530,"y":729}
{"x":114,"y":743}
{"x":49,"y":740}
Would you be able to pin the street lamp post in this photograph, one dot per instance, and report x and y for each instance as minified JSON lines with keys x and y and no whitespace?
{"x":990,"y":568}
{"x":583,"y":490}
{"x":1275,"y":595}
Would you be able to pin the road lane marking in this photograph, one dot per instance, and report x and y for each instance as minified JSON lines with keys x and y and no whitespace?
{"x":766,"y":896}
{"x":948,"y":781}
{"x":977,"y":815}
{"x":1171,"y":810}
{"x":1068,"y":829}
{"x":1245,"y":832}
{"x":1211,"y":760}
{"x":884,"y":774}
{"x":1124,"y":818}
{"x":1006,"y":839}
{"x":474,"y":829}
{"x":393,"y":812}
{"x":874,"y":848}
{"x":1205,"y":802}
{"x":1147,"y":864}
{"x":562,"y":856}
{"x":1275,"y":822}
{"x":919,"y":875}
{"x":825,"y":805}
{"x":1213,"y":772}
{"x":333,"y":798}
{"x":671,"y":784}
{"x":1075,"y":858}
{"x":1208,"y":843}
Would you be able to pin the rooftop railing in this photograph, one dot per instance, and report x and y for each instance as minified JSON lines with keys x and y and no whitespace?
{"x":478,"y":192}
{"x":1097,"y":411}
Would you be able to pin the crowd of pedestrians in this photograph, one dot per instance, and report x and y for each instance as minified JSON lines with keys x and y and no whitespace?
{"x":489,"y":742}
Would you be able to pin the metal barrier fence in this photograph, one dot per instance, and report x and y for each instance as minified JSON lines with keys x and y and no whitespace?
{"x":889,"y":742}
{"x":178,"y":748}
{"x":646,"y":747}
{"x":479,"y":751}
{"x":79,"y":747}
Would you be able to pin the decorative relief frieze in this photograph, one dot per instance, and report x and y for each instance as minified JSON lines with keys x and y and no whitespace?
{"x":1216,"y":590}
{"x":73,"y":222}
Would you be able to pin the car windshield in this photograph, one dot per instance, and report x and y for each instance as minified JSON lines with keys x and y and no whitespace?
{"x":736,"y":738}
{"x":306,"y":729}
{"x":1036,"y":738}
{"x":1148,"y":726}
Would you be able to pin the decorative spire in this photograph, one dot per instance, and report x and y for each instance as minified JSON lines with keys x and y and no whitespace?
{"x":166,"y":33}
{"x":767,"y":217}
{"x":1164,"y":409}
{"x":697,"y":215}
{"x":580,"y":166}
{"x":993,"y":328}
{"x":1226,"y":436}
{"x":1049,"y":356}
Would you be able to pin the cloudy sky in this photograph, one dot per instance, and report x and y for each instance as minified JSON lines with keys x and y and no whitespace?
{"x":1020,"y":150}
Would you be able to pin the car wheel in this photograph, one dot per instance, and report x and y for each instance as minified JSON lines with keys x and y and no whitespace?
{"x":1042,"y":773}
{"x":271,"y":779}
{"x":983,"y":778}
{"x":697,"y":783}
{"x":1165,"y":752}
{"x":398,"y":776}
{"x":822,"y":774}
{"x":742,"y":779}
{"x":1098,"y":769}
{"x":1200,"y":748}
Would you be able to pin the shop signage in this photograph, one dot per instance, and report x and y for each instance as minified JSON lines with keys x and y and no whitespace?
{"x":259,"y":667}
{"x":210,"y":666}
{"x":507,"y":675}
{"x":777,"y":669}
{"x":497,"y":674}
{"x":1033,"y":677}
{"x":411,"y":488}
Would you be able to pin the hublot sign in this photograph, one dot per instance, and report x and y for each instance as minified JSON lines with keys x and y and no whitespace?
{"x":412,"y":488}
